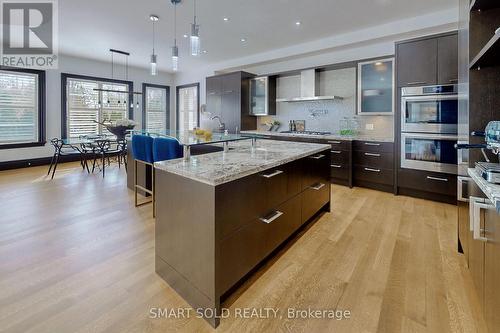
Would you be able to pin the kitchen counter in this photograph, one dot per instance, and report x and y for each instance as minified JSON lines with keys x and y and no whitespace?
{"x":360,"y":137}
{"x":221,"y":214}
{"x":492,"y":191}
{"x":241,"y":160}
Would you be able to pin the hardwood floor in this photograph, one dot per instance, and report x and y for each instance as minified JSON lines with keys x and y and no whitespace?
{"x":77,"y":256}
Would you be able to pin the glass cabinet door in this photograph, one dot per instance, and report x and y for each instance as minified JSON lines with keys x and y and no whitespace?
{"x":258,"y":96}
{"x":376,"y":87}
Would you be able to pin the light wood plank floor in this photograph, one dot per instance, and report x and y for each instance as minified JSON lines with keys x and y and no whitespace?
{"x":77,"y":256}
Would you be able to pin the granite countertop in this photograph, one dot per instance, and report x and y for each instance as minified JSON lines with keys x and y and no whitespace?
{"x":360,"y":137}
{"x":492,"y":191}
{"x":241,"y":160}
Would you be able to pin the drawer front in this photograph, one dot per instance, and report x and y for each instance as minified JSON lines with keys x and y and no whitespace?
{"x":235,"y":207}
{"x":240,"y":252}
{"x":340,"y":171}
{"x":316,"y":169}
{"x":284,"y":220}
{"x":378,"y":160}
{"x":339,"y":156}
{"x":276,"y":185}
{"x":313,"y":198}
{"x":428,"y":181}
{"x":374,"y":175}
{"x":340,"y":145}
{"x":373,"y":146}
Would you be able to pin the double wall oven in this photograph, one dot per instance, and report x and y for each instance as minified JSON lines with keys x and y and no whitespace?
{"x":429,"y":117}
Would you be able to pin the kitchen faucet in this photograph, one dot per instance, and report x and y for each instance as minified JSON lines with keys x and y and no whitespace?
{"x":222,"y":126}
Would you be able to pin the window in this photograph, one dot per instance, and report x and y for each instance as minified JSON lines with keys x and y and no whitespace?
{"x":22,"y":108}
{"x":84,"y":107}
{"x":156,"y":107}
{"x":188,"y":100}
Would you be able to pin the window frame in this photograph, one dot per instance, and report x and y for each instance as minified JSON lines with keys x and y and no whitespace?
{"x":64,"y":96}
{"x":177,"y":88}
{"x":41,"y":109}
{"x":144,"y":115}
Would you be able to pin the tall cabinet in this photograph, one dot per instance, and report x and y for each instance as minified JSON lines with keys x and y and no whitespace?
{"x":228,"y":98}
{"x":480,"y":79}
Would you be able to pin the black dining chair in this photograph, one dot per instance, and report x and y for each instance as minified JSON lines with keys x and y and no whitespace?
{"x":61,"y":149}
{"x":106,"y":148}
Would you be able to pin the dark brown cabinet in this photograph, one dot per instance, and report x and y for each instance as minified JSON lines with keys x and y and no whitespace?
{"x":448,"y":59}
{"x":492,"y":270}
{"x":227,"y":96}
{"x":373,"y":165}
{"x":417,"y":62}
{"x":429,"y":61}
{"x":341,"y":162}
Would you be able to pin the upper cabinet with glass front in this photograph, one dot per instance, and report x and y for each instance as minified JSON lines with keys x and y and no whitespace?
{"x":376,"y":87}
{"x":263,"y":96}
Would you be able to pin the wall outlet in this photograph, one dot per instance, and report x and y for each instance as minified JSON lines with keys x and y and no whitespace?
{"x":369,"y":127}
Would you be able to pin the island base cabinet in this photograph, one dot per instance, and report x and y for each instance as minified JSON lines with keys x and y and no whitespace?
{"x":314,"y":198}
{"x":209,"y":237}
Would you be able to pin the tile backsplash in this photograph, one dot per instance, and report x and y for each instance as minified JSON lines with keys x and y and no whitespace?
{"x":326,"y":115}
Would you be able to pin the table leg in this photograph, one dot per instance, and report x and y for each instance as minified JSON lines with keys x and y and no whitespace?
{"x":187,"y":152}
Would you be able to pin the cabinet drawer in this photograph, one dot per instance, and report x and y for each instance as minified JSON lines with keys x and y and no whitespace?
{"x":428,"y":181}
{"x":374,"y":175}
{"x":374,"y":160}
{"x":340,"y":171}
{"x":240,"y":252}
{"x":340,"y":144}
{"x":339,"y":156}
{"x":313,"y":198}
{"x":316,"y":169}
{"x":276,"y":186}
{"x":373,"y":146}
{"x":282,"y":222}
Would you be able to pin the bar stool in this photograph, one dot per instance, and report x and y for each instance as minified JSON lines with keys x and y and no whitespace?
{"x":165,"y":149}
{"x":142,"y":151}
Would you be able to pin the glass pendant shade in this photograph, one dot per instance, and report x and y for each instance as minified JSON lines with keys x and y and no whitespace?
{"x":154,"y":70}
{"x":195,"y":40}
{"x":175,"y":58}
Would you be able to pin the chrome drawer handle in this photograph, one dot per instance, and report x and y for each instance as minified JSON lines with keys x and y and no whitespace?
{"x":372,"y":170}
{"x":417,"y":82}
{"x":437,"y":178}
{"x":336,"y":166}
{"x":336,"y":152}
{"x":335,"y":142}
{"x":371,"y":144}
{"x":318,"y":187}
{"x":276,"y":215}
{"x":318,"y":157}
{"x":271,"y":175}
{"x":372,"y":154}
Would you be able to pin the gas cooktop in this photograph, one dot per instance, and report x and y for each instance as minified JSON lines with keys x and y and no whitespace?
{"x":306,"y":132}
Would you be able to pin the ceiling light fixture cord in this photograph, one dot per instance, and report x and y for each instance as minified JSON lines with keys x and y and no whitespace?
{"x":175,"y":24}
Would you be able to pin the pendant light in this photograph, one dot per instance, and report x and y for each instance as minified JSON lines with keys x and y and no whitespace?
{"x":195,"y":35}
{"x":175,"y":49}
{"x":153,"y":18}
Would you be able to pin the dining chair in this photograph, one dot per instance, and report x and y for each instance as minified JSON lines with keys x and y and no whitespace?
{"x":60,"y":149}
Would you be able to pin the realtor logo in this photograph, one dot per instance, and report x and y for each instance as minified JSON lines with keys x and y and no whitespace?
{"x":29,"y":33}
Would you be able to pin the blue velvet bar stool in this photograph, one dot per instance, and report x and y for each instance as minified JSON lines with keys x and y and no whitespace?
{"x":165,"y":149}
{"x":142,"y":151}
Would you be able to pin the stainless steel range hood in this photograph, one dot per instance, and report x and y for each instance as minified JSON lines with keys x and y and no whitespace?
{"x":309,"y":89}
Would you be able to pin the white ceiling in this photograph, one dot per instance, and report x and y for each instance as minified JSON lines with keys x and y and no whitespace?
{"x":89,"y":28}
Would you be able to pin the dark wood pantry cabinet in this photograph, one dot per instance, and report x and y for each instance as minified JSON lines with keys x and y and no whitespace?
{"x":428,"y":61}
{"x":227,"y":96}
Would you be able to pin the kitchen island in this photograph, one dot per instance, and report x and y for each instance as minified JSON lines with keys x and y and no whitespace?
{"x":220,"y":214}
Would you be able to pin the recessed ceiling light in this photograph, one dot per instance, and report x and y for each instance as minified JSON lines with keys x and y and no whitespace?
{"x":205,"y":51}
{"x":154,"y":18}
{"x":298,"y":23}
{"x":186,"y":36}
{"x":226,"y":19}
{"x":243,"y":40}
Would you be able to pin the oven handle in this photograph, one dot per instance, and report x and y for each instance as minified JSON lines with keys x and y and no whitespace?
{"x":431,"y":97}
{"x":471,"y":146}
{"x":430,"y":136}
